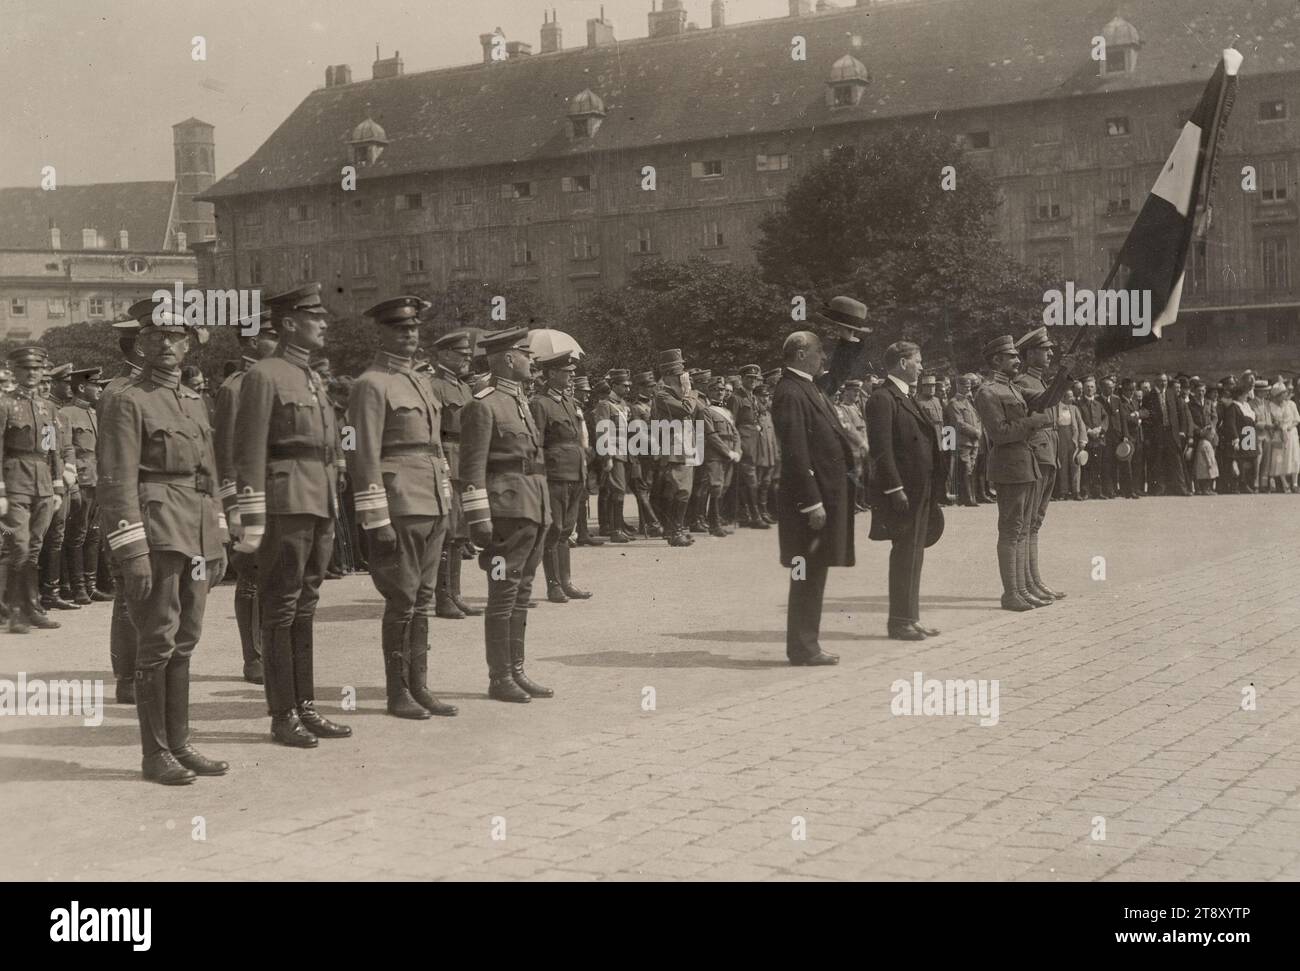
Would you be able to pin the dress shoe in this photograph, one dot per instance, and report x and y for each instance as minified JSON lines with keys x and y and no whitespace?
{"x":465,"y":608}
{"x":592,"y":541}
{"x":505,"y":689}
{"x":287,"y":729}
{"x":905,"y":634}
{"x":1014,"y":602}
{"x":449,"y":611}
{"x":555,"y":593}
{"x":1044,"y":592}
{"x":970,"y":502}
{"x":820,"y":659}
{"x":718,"y":531}
{"x":162,"y":767}
{"x":654,"y":532}
{"x":927,"y":631}
{"x":318,"y":724}
{"x":54,"y":602}
{"x":618,"y":536}
{"x":199,"y":764}
{"x":1031,"y":598}
{"x":125,"y":691}
{"x":572,"y":592}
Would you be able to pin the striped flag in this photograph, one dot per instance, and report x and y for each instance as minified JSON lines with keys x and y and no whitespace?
{"x":1154,"y":255}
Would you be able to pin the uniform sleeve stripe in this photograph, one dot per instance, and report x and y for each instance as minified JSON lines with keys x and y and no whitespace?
{"x":227,"y":490}
{"x":125,"y":537}
{"x":377,"y":524}
{"x":370,"y":504}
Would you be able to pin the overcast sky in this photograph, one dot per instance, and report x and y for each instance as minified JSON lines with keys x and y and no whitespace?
{"x":94,"y":86}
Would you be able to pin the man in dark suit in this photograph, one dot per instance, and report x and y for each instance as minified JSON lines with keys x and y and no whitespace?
{"x":1169,"y":428}
{"x":908,"y":476}
{"x":816,"y":504}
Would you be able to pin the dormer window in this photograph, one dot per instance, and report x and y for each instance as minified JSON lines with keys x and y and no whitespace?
{"x":581,"y":127}
{"x":848,"y":80}
{"x":1122,"y":43}
{"x":368,"y":142}
{"x":586,"y":112}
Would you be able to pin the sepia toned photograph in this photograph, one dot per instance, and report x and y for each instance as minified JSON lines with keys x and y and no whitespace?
{"x":750,"y":441}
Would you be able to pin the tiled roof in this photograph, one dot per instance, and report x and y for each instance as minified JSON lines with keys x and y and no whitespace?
{"x":141,"y":208}
{"x":923,"y":57}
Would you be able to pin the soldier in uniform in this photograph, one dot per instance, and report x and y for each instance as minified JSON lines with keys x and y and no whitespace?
{"x":766,"y":454}
{"x":253,"y":347}
{"x":745,"y":408}
{"x":560,"y":425}
{"x":158,"y":491}
{"x":285,"y":473}
{"x":854,"y":423}
{"x":1012,"y":466}
{"x":609,"y":413}
{"x":1036,"y":349}
{"x":56,"y":591}
{"x":507,"y":507}
{"x":81,"y":549}
{"x":581,"y":396}
{"x":673,"y":403}
{"x":402,"y":491}
{"x":32,"y":488}
{"x":641,"y":468}
{"x":454,"y":352}
{"x":721,"y":454}
{"x":960,"y":413}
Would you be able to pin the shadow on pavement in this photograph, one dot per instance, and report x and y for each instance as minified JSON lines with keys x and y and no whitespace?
{"x":48,"y":770}
{"x":765,"y":636}
{"x":671,"y":659}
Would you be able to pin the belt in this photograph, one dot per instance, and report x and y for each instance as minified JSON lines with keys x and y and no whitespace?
{"x":299,"y":452}
{"x":525,"y":466}
{"x":414,"y":448}
{"x":199,"y":481}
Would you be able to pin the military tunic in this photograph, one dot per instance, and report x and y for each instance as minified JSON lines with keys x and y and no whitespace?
{"x":453,"y":395}
{"x":81,"y":548}
{"x":1044,"y":443}
{"x":32,"y":475}
{"x":122,"y":635}
{"x":226,"y":432}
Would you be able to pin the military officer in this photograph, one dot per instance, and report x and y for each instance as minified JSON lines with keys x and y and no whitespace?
{"x":1012,"y":466}
{"x":158,"y":492}
{"x":721,"y":454}
{"x":673,"y":402}
{"x":642,"y":467}
{"x":56,"y":593}
{"x":81,"y":547}
{"x":401,"y":485}
{"x":507,"y":507}
{"x":454,"y":352}
{"x":766,"y":454}
{"x":745,"y":408}
{"x":254,"y":345}
{"x":560,"y":425}
{"x":285,"y":474}
{"x":610,"y":414}
{"x":960,"y":413}
{"x":581,"y":394}
{"x":1035,"y":348}
{"x":32,"y":489}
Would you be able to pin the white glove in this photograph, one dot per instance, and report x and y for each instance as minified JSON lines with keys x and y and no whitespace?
{"x":69,"y":476}
{"x":4,"y":506}
{"x":58,"y":502}
{"x":250,"y":539}
{"x":735,"y":456}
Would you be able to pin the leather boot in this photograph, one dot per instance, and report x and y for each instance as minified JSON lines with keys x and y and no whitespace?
{"x":454,"y":563}
{"x":1007,"y":567}
{"x":125,"y":692}
{"x":74,"y":567}
{"x":518,"y":630}
{"x":288,"y":730}
{"x":90,"y":567}
{"x":51,"y":599}
{"x":318,"y":724}
{"x":551,"y":570}
{"x":35,"y":615}
{"x":107,"y":583}
{"x":444,"y":606}
{"x":15,"y":595}
{"x":122,"y":642}
{"x":566,"y":584}
{"x":1022,"y":576}
{"x":177,"y":714}
{"x":1036,"y":584}
{"x":417,"y":643}
{"x":501,"y":682}
{"x":158,"y":764}
{"x":250,"y":632}
{"x":396,"y":674}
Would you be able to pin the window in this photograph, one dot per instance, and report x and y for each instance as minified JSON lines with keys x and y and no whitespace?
{"x":977,"y":140}
{"x":1272,"y":180}
{"x":581,"y":127}
{"x":462,"y":196}
{"x":95,"y":306}
{"x":711,"y":169}
{"x":305,"y":266}
{"x":1047,"y":204}
{"x":517,"y":190}
{"x":361,"y":261}
{"x":642,"y":243}
{"x":414,"y":256}
{"x":844,"y":96}
{"x":363,"y":207}
{"x":137,"y":265}
{"x":255,"y":269}
{"x":408,"y":201}
{"x":1275,"y":263}
{"x":464,"y":256}
{"x":1119,"y":197}
{"x":575,"y":183}
{"x":300,"y":214}
{"x":17,"y":306}
{"x":89,"y":239}
{"x":1272,"y":110}
{"x":523,"y":252}
{"x":583,"y":247}
{"x":773,"y":163}
{"x":1117,"y":126}
{"x":712,"y":234}
{"x":57,"y":307}
{"x":251,"y":217}
{"x":1047,"y":134}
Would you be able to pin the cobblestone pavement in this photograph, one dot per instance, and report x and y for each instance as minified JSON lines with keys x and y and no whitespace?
{"x":1120,"y":714}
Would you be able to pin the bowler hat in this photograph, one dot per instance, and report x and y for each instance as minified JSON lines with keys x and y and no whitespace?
{"x":1081,"y":457}
{"x":1124,"y":450}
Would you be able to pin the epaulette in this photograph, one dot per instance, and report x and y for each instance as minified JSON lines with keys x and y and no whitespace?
{"x":484,"y":392}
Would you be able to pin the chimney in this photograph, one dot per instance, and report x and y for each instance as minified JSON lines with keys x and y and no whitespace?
{"x":388,"y":67}
{"x":337,"y":74}
{"x":56,"y":241}
{"x":600,"y":32}
{"x":489,"y":42}
{"x":669,"y":21}
{"x":718,"y":13}
{"x":552,"y":36}
{"x":800,"y":8}
{"x":123,"y":239}
{"x":518,"y":48}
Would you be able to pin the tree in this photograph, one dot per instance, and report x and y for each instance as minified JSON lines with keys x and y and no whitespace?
{"x":720,"y":316}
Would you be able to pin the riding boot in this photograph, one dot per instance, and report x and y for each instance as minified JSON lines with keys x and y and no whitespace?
{"x":602,"y":513}
{"x":1022,"y":576}
{"x":501,"y":682}
{"x":392,"y":636}
{"x":518,"y":629}
{"x":444,"y":606}
{"x":417,"y":644}
{"x":158,"y":763}
{"x":15,"y":594}
{"x":177,"y":714}
{"x":122,"y":641}
{"x":1036,"y":584}
{"x":35,"y":615}
{"x":566,"y":581}
{"x":1008,"y":551}
{"x":304,"y":683}
{"x":551,"y":570}
{"x":250,"y":633}
{"x":454,"y":563}
{"x":75,"y":569}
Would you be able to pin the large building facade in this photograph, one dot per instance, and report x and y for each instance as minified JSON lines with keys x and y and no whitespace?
{"x":565,"y":167}
{"x":87,"y":252}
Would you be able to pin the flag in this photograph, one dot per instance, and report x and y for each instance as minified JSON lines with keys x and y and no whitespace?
{"x":1154,"y":255}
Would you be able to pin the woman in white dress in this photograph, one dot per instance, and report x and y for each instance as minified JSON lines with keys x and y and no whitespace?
{"x":1284,"y":459}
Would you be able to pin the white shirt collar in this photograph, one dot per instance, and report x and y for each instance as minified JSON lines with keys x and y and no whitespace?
{"x":900,"y":384}
{"x":796,"y":371}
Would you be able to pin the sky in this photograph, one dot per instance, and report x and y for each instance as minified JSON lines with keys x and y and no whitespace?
{"x":93,"y":87}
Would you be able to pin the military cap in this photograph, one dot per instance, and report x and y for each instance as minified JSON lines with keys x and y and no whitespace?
{"x":700,"y":375}
{"x":717,"y":382}
{"x":504,"y":340}
{"x":853,"y":383}
{"x":642,"y":378}
{"x":670,"y":361}
{"x":457,"y":340}
{"x":62,"y":372}
{"x":304,"y":299}
{"x":751,"y":371}
{"x":1260,"y":384}
{"x":618,"y":376}
{"x":1035,"y":338}
{"x":772,"y":375}
{"x":1000,"y":345}
{"x":561,"y":361}
{"x":582,"y":383}
{"x":126,"y":323}
{"x":164,"y":315}
{"x":845,"y":312}
{"x":928,"y":379}
{"x":86,"y":374}
{"x":265,"y":324}
{"x":31,"y":356}
{"x":398,"y":311}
